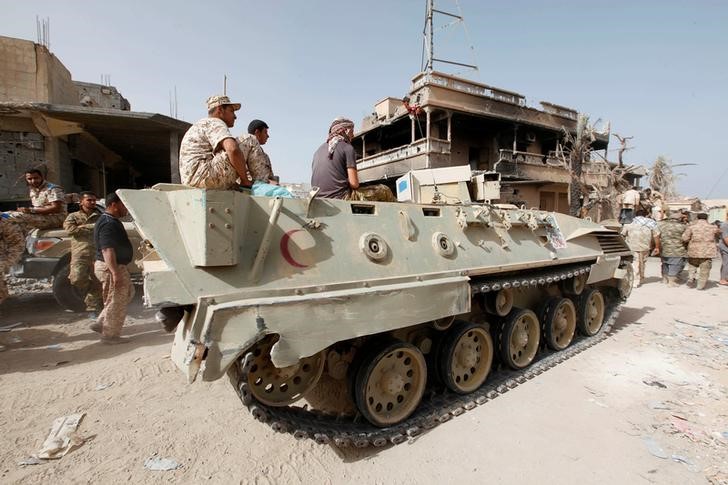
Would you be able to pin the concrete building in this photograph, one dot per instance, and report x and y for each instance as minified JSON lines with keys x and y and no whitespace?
{"x":85,"y":134}
{"x":450,"y":121}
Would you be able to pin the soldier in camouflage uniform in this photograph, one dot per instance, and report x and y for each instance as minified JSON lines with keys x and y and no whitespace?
{"x":80,"y":226}
{"x":209,"y":156}
{"x":701,"y":239}
{"x":258,"y":162}
{"x":11,"y":248}
{"x":640,"y":234}
{"x":672,"y":248}
{"x":48,"y":209}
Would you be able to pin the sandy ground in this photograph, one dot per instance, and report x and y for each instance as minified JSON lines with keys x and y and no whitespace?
{"x":657,"y":386}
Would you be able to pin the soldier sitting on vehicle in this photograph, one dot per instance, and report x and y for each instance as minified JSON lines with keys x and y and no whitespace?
{"x":258,"y":162}
{"x":48,"y":209}
{"x":209,"y":156}
{"x":334,"y":168}
{"x":80,"y":226}
{"x":48,"y":205}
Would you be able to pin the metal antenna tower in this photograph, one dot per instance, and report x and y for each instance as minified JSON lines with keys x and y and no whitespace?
{"x":428,"y":44}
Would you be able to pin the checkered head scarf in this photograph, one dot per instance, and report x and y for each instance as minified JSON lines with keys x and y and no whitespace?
{"x":338,"y":131}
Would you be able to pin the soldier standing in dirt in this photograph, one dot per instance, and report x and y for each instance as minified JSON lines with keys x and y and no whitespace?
{"x":723,"y":248}
{"x":700,"y":236}
{"x":113,"y":253}
{"x":630,"y":201}
{"x":80,"y":226}
{"x":640,"y":234}
{"x":672,"y":248}
{"x":11,"y":248}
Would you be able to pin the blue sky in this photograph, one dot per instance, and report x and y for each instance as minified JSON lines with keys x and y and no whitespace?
{"x":657,"y":71}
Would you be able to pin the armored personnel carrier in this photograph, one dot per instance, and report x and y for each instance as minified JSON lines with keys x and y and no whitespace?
{"x":364,"y":323}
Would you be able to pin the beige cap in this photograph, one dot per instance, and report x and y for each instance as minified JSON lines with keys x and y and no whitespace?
{"x":218,"y":100}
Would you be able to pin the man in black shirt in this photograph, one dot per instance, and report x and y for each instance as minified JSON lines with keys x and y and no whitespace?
{"x":113,"y":253}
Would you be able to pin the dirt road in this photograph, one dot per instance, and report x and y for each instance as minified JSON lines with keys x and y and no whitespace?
{"x":647,"y":405}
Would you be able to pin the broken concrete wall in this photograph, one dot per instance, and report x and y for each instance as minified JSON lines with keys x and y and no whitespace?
{"x":18,"y":151}
{"x":30,"y":73}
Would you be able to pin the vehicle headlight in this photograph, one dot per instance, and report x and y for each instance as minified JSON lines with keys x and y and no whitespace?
{"x":42,"y":244}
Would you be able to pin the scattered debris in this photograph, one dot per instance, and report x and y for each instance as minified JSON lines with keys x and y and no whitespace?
{"x":7,"y":328}
{"x":655,"y":384}
{"x":682,"y":425}
{"x":56,"y":364}
{"x":62,"y":438}
{"x":161,"y":464}
{"x":16,"y":340}
{"x":686,"y":461}
{"x":592,"y":391}
{"x":101,"y":387}
{"x":54,"y":347}
{"x":658,"y":405}
{"x":30,"y":461}
{"x":598,"y":403}
{"x":654,"y":448}
{"x":701,"y":325}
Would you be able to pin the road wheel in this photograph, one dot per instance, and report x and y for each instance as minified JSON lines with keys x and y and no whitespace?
{"x":65,"y":293}
{"x":559,"y":323}
{"x":591,"y":312}
{"x":465,"y":357}
{"x":390,"y":382}
{"x":520,"y":338}
{"x":281,"y":387}
{"x":499,"y":302}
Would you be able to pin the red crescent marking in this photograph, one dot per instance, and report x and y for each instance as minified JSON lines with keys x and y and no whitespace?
{"x":285,"y":251}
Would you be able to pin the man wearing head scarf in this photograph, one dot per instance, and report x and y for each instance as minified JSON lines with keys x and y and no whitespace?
{"x":334,"y":168}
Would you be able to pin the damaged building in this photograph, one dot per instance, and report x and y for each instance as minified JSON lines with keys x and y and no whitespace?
{"x":84,"y":133}
{"x":450,"y":121}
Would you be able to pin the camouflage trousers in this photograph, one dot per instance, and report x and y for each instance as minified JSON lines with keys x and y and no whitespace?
{"x":638,"y":265}
{"x":702,"y":266}
{"x":82,"y":278}
{"x":12,"y":244}
{"x":378,"y":192}
{"x":723,"y":265}
{"x":216,"y":173}
{"x":28,"y":222}
{"x":117,"y":295}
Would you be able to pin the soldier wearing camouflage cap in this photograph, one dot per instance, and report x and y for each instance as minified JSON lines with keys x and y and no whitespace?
{"x":672,"y":248}
{"x":701,"y":238}
{"x":209,"y":156}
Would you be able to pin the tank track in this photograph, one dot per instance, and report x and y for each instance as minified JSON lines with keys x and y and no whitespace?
{"x":438,"y":405}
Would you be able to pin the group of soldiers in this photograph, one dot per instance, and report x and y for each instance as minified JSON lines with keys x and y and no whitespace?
{"x":48,"y":210}
{"x":678,"y":243}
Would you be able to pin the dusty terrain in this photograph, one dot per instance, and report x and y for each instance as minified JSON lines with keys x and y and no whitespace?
{"x":657,"y":386}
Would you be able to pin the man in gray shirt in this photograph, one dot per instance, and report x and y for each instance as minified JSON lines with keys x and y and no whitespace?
{"x":334,"y":168}
{"x":334,"y":163}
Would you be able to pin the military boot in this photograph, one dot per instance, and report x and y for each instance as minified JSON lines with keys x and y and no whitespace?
{"x":665,"y":279}
{"x":672,"y":281}
{"x":690,"y":283}
{"x":701,"y":284}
